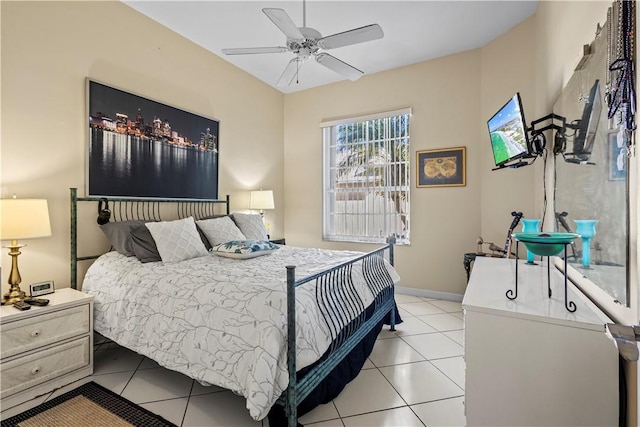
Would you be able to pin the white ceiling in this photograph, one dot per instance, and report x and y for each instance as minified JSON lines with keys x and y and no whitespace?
{"x":414,"y":31}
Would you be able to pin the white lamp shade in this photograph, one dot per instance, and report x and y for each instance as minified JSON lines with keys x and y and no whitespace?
{"x":24,"y":219}
{"x":261,"y":199}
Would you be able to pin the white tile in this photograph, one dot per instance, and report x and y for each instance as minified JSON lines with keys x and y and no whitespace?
{"x":413,"y":326}
{"x":115,"y":382}
{"x":453,"y":368}
{"x":458,"y":314}
{"x":448,"y":412}
{"x":404,"y":313}
{"x":457,"y":336}
{"x":115,"y":360}
{"x":392,"y":352}
{"x":443,"y":322}
{"x":386,"y":333}
{"x":148,"y":364}
{"x":218,"y":409}
{"x":368,"y":392}
{"x":402,"y":298}
{"x":205,"y":389}
{"x":434,"y":346}
{"x":324,"y":412}
{"x":368,"y":365}
{"x":331,"y":423}
{"x":171,"y":410}
{"x":448,"y":306}
{"x":420,"y":382}
{"x":99,"y":339}
{"x":421,"y":308}
{"x":150,"y":385}
{"x":391,"y":417}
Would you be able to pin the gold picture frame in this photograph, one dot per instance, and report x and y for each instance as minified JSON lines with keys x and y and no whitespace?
{"x":443,"y":167}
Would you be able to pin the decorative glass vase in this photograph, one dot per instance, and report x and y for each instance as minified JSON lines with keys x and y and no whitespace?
{"x":586,"y":228}
{"x":530,"y":226}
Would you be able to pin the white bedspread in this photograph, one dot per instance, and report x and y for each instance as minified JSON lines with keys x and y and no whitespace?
{"x":218,"y":320}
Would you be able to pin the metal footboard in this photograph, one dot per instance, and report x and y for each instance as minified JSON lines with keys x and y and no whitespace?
{"x":339,"y":302}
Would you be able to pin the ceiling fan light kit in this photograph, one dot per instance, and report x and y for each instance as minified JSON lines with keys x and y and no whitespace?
{"x":305,"y":42}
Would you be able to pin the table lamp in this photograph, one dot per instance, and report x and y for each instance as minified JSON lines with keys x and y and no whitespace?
{"x":21,"y":219}
{"x":260,"y":200}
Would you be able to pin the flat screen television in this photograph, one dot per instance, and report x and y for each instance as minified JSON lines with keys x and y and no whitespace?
{"x":508,"y":132}
{"x":587,"y":127}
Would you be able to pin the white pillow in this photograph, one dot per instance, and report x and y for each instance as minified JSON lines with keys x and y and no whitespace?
{"x":220,"y":230}
{"x":177,"y":240}
{"x":251,"y":226}
{"x":244,"y":249}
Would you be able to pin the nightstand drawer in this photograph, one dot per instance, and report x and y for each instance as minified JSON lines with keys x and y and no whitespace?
{"x":30,"y":370}
{"x":27,"y":334}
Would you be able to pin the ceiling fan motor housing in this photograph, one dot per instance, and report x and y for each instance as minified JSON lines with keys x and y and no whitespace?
{"x":306,"y":47}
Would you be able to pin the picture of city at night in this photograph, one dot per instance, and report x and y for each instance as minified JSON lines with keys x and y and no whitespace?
{"x":143,"y":148}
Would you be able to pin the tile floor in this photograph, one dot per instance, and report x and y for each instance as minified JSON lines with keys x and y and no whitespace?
{"x":414,"y":377}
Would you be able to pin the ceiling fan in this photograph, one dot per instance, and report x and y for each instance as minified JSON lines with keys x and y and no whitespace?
{"x":305,"y":42}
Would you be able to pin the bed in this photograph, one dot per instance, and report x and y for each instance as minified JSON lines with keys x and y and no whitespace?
{"x":286,"y":330}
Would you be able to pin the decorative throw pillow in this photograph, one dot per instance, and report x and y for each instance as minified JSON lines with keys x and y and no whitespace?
{"x":251,"y":225}
{"x":177,"y":240}
{"x":244,"y":249}
{"x":220,"y":230}
{"x":119,"y":235}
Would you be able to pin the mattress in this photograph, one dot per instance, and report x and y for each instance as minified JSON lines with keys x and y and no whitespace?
{"x":220,"y":321}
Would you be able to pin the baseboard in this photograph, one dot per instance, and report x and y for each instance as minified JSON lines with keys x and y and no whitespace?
{"x":429,"y":294}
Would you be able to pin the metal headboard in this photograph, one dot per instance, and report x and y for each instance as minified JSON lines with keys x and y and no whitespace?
{"x":123,"y":209}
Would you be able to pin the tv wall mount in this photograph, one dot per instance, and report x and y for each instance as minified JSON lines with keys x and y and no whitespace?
{"x":537,"y":142}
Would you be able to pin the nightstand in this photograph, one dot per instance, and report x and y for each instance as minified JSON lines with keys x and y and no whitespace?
{"x":45,"y":348}
{"x":278,"y":241}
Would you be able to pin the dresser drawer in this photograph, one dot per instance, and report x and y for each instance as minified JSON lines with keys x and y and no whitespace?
{"x":33,"y":332}
{"x":36,"y":368}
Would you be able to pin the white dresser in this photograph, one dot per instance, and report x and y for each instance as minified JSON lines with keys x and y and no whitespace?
{"x":45,"y":348}
{"x":530,"y":361}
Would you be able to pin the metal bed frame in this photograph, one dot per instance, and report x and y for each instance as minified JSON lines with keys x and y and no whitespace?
{"x":329,"y":283}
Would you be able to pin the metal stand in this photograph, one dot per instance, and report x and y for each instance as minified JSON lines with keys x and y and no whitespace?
{"x":569,"y":305}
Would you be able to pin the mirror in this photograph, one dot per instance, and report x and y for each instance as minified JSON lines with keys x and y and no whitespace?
{"x":591,"y":176}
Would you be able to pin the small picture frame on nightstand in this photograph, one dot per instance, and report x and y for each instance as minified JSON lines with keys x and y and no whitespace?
{"x":41,"y":288}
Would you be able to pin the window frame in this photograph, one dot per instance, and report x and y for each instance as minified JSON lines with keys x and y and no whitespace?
{"x":387,"y":218}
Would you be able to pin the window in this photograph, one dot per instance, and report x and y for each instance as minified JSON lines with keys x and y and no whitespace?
{"x":366,"y":178}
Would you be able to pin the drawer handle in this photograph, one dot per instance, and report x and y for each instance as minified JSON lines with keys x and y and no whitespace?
{"x":35,"y":333}
{"x":35,"y":370}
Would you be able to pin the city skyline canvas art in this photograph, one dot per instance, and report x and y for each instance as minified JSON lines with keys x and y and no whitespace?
{"x":143,"y":148}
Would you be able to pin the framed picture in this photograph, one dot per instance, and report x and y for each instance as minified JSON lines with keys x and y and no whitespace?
{"x":618,"y":160}
{"x":443,"y":167}
{"x":143,"y":148}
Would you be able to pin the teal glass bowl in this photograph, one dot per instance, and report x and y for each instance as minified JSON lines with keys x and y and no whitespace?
{"x":545,"y":243}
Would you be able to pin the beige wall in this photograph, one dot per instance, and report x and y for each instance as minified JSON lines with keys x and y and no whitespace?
{"x":49,"y":48}
{"x":507,"y":67}
{"x":445,"y":98}
{"x":452,"y":98}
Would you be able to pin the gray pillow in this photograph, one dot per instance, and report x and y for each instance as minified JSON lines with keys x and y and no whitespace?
{"x":144,"y":247}
{"x":119,"y":235}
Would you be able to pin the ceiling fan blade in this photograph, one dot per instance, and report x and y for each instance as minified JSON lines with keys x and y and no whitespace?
{"x":340,"y":67}
{"x":254,"y":50}
{"x":355,"y":36}
{"x":289,"y":72}
{"x":284,"y":22}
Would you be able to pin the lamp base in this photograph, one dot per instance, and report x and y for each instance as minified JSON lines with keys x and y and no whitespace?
{"x":14,"y":295}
